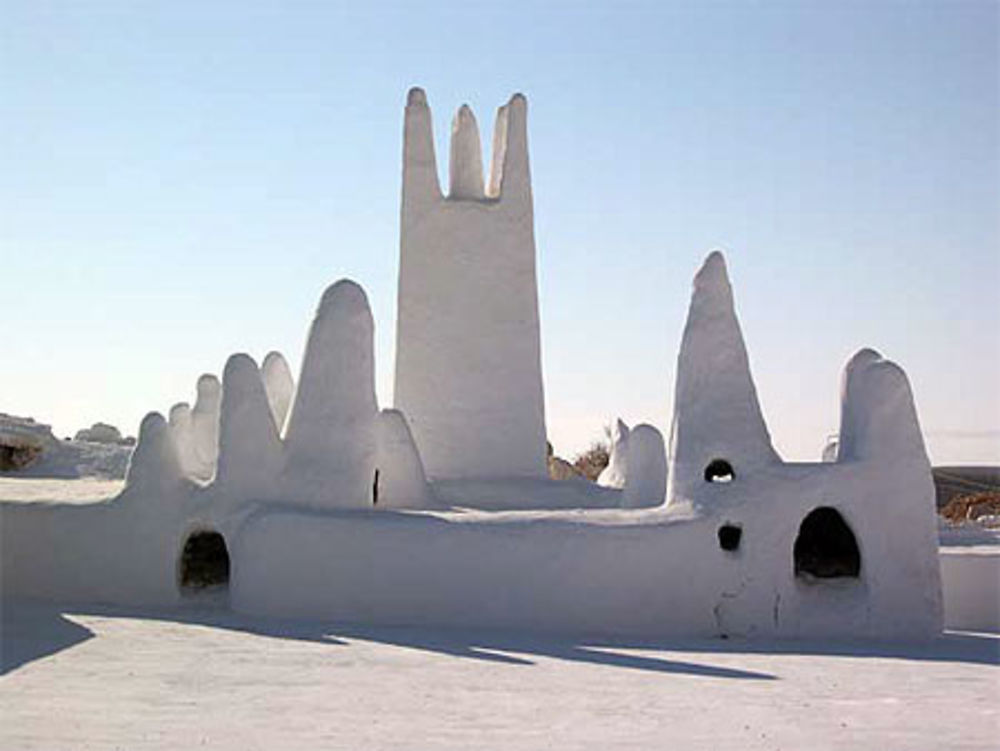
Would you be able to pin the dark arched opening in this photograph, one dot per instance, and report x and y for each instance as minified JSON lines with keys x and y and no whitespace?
{"x":204,"y":561}
{"x":719,"y":470}
{"x":826,"y":547}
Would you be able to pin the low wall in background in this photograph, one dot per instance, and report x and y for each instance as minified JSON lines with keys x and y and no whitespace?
{"x":970,"y":580}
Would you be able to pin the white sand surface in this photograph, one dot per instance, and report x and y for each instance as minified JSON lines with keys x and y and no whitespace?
{"x":89,"y":678}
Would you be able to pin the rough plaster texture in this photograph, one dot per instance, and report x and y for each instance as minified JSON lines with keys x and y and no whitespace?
{"x":467,"y":321}
{"x":154,"y":468}
{"x":298,"y":518}
{"x":970,"y":583}
{"x":644,"y":571}
{"x":280,"y":387}
{"x":466,"y":163}
{"x":204,"y":449}
{"x":646,"y":478}
{"x":250,"y":451}
{"x":124,"y":550}
{"x":319,"y":549}
{"x":330,"y":439}
{"x":716,"y":412}
{"x":182,"y":434}
{"x":647,"y":571}
{"x":614,"y":475}
{"x":401,"y":479}
{"x":630,"y":571}
{"x":525,"y":494}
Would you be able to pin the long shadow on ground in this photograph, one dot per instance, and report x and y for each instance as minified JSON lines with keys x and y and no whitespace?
{"x":34,"y":630}
{"x":30,"y":632}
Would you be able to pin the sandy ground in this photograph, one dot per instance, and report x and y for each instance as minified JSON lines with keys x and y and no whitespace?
{"x":87,"y":678}
{"x":93,"y":678}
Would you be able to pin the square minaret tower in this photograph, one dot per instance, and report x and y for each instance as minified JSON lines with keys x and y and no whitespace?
{"x":468,"y":355}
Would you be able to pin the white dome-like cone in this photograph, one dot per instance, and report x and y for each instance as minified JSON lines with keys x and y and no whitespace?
{"x":510,"y":172}
{"x":401,"y":482}
{"x":498,"y":153}
{"x":878,"y":417}
{"x":205,"y":428}
{"x":851,"y":405}
{"x":182,"y":433}
{"x":280,"y":387}
{"x":250,"y":458}
{"x":154,"y":468}
{"x":646,"y":483}
{"x":420,"y":178}
{"x":615,"y":474}
{"x":880,"y":433}
{"x":330,"y":439}
{"x":716,"y":411}
{"x":466,"y":166}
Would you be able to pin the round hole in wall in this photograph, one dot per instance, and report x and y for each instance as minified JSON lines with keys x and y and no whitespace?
{"x":719,"y":470}
{"x":204,"y":561}
{"x":826,"y":547}
{"x":729,"y":537}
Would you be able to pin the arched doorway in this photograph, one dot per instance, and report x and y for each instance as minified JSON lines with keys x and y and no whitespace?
{"x":826,"y":547}
{"x":204,"y":562}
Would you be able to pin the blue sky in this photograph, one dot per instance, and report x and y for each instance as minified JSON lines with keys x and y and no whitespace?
{"x":180,"y":181}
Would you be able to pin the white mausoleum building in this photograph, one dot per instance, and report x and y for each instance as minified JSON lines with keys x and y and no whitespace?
{"x":306,"y":498}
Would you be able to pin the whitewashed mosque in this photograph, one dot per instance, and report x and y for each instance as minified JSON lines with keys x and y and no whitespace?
{"x":307,"y":499}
